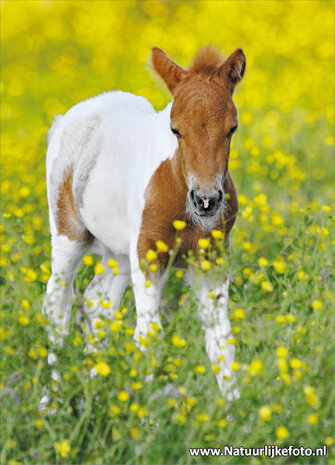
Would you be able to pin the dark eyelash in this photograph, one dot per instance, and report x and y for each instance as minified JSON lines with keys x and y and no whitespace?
{"x":232,"y":130}
{"x":176,"y":132}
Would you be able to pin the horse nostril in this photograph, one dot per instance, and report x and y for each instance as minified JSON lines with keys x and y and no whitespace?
{"x":220,"y":196}
{"x":193,"y":197}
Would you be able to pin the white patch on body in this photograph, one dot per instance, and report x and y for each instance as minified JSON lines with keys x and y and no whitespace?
{"x":114,"y":143}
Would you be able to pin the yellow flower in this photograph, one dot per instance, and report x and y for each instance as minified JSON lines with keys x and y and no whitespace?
{"x":102,"y":368}
{"x":180,"y":419}
{"x":24,"y":320}
{"x":142,"y":412}
{"x":123,"y":396}
{"x":32,"y":353}
{"x":235,"y":366}
{"x":99,"y":269}
{"x":134,"y":432}
{"x":151,"y":255}
{"x":329,"y":441}
{"x":277,"y":408}
{"x":202,"y":417}
{"x":115,"y":271}
{"x":311,"y":396}
{"x":200,"y":369}
{"x":216,"y":368}
{"x":279,"y":266}
{"x":317,"y":304}
{"x":88,"y":260}
{"x":39,"y":422}
{"x":11,"y":351}
{"x":265,"y":412}
{"x":282,"y":352}
{"x":191,"y":401}
{"x":136,"y":386}
{"x":222,"y":423}
{"x":297,"y":374}
{"x":282,"y":365}
{"x":115,"y":326}
{"x":255,"y":367}
{"x":179,"y":225}
{"x":263,"y":261}
{"x":147,"y":283}
{"x":154,"y":267}
{"x":295,"y":363}
{"x":290,"y":318}
{"x":112,"y":263}
{"x":161,"y":246}
{"x":204,"y":243}
{"x":114,"y":410}
{"x":25,"y":304}
{"x":325,"y":208}
{"x":63,"y":448}
{"x":282,"y":432}
{"x":178,"y":341}
{"x":31,"y":276}
{"x":205,"y":265}
{"x":312,"y":419}
{"x":239,"y":314}
{"x":217,"y":234}
{"x":301,"y":275}
{"x":267,"y":286}
{"x":179,"y":274}
{"x":219,"y":261}
{"x":134,"y":407}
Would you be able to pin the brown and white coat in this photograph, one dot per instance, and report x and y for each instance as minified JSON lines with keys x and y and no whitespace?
{"x":119,"y":174}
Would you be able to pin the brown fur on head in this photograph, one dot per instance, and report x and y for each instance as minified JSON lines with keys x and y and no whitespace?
{"x":203,"y":117}
{"x":206,"y":61}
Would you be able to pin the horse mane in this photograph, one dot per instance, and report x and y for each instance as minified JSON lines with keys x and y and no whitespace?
{"x":206,"y":61}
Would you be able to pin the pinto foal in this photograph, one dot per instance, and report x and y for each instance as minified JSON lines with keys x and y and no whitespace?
{"x":119,"y":174}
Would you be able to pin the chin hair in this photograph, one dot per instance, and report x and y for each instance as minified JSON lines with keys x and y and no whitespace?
{"x":206,"y":223}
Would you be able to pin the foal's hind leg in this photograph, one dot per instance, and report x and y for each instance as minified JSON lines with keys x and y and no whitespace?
{"x":59,"y":298}
{"x":104,"y":293}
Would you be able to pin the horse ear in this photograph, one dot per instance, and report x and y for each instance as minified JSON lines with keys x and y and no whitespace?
{"x":168,"y":70}
{"x":232,"y":70}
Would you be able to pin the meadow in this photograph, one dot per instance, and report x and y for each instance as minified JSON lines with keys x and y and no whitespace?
{"x":57,"y":53}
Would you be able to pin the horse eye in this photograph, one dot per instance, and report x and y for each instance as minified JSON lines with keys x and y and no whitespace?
{"x":232,"y":130}
{"x":176,"y":132}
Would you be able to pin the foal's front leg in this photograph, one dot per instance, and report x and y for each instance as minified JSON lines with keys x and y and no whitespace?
{"x":147,"y":298}
{"x":213,"y":312}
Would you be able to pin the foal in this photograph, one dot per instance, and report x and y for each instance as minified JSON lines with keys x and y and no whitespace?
{"x":119,"y":174}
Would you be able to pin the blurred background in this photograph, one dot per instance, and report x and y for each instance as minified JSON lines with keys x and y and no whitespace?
{"x":57,"y":53}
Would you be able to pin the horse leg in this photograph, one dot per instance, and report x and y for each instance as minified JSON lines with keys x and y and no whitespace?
{"x":106,"y":288}
{"x":59,"y":297}
{"x":147,"y":298}
{"x":213,"y":312}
